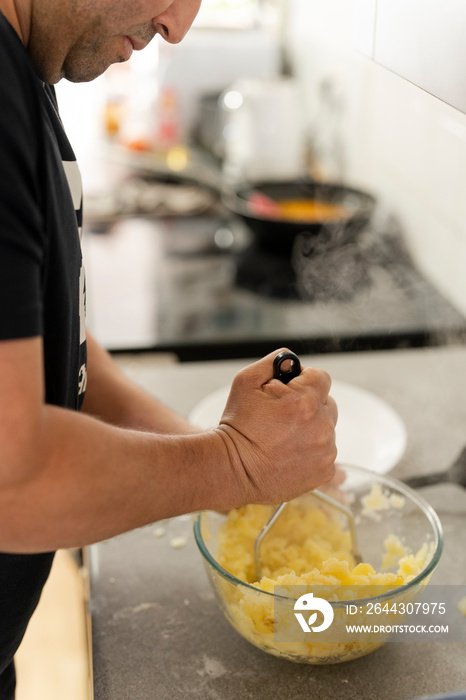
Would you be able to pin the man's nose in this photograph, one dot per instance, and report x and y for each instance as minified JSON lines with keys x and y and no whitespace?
{"x":174,"y":23}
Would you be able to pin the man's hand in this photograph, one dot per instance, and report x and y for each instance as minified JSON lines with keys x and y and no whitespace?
{"x":280,"y":437}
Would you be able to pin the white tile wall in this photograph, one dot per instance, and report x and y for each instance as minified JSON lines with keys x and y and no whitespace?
{"x":399,"y":141}
{"x":423,"y":41}
{"x":364,"y":26}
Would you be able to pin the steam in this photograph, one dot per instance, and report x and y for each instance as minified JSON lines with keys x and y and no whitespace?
{"x":375,"y":281}
{"x":329,"y":265}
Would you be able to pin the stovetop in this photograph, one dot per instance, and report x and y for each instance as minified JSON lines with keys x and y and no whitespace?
{"x":201,"y":288}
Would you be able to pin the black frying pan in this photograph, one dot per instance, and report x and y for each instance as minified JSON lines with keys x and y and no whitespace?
{"x":278,"y":234}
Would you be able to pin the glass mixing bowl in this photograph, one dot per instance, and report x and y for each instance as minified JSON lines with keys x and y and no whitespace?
{"x":395,"y":527}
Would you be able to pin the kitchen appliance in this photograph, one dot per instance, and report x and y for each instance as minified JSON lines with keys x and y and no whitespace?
{"x":202,"y":288}
{"x":263,"y":130}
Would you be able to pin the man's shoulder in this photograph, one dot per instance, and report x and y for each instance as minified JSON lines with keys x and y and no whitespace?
{"x":16,"y":69}
{"x":21,"y":90}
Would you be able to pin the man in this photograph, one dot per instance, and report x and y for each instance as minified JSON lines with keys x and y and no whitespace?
{"x":70,"y":477}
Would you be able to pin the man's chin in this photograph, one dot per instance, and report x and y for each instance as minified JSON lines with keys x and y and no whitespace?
{"x":84,"y":73}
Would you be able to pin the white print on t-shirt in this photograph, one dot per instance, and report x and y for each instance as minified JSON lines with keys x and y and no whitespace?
{"x":73,"y":176}
{"x":82,"y":305}
{"x":82,"y":379}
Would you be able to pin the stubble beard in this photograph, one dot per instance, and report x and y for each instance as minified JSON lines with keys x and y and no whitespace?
{"x":58,"y":52}
{"x":76,"y":45}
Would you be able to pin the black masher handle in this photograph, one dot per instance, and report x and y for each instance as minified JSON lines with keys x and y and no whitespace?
{"x":286,"y":375}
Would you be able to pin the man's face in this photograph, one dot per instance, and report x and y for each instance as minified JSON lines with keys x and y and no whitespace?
{"x":79,"y":39}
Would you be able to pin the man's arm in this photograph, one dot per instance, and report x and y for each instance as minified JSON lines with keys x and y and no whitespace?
{"x":68,"y":479}
{"x":111,"y":396}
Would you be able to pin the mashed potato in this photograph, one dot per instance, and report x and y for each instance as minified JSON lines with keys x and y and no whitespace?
{"x":306,"y":546}
{"x":462,"y":606}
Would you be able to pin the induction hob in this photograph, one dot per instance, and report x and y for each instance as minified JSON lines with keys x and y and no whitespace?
{"x":201,"y":288}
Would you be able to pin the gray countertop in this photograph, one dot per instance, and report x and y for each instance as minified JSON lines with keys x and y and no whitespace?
{"x":157,"y":632}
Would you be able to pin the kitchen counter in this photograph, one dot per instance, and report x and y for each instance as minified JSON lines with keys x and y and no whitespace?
{"x":157,"y":631}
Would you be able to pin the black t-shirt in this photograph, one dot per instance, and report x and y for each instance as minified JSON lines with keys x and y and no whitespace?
{"x":42,"y":284}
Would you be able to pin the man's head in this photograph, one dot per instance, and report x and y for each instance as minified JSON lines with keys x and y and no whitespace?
{"x":79,"y":39}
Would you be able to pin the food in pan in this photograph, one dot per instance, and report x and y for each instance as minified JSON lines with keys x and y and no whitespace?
{"x":311,"y":210}
{"x":297,"y":209}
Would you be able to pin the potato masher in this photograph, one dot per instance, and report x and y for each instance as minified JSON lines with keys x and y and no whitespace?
{"x":285,"y":375}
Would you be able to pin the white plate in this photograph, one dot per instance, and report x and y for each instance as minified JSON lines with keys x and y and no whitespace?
{"x":369,"y":432}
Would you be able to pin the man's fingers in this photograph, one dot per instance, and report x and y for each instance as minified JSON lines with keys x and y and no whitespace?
{"x":333,"y":409}
{"x":317,"y":379}
{"x":258,"y":373}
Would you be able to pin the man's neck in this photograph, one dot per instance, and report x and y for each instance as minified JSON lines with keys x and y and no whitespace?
{"x":18,"y":14}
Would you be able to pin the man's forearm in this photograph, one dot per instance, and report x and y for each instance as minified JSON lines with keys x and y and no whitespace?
{"x":112,"y":397}
{"x":91,"y":481}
